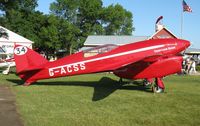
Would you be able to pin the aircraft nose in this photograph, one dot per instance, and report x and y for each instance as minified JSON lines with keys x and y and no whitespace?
{"x":186,"y":43}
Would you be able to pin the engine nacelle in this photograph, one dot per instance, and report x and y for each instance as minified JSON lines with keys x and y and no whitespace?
{"x":159,"y":68}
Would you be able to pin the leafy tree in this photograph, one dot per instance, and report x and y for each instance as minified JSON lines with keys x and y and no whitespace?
{"x":68,"y":25}
{"x":35,"y":22}
{"x":66,"y":9}
{"x":117,"y":21}
{"x":89,"y":15}
{"x":91,"y":18}
{"x":69,"y":35}
{"x":82,"y":13}
{"x":49,"y":35}
{"x":20,"y":16}
{"x":28,"y":5}
{"x":16,"y":14}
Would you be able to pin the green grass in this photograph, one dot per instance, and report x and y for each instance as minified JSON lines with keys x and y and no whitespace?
{"x":99,"y":100}
{"x":198,"y":68}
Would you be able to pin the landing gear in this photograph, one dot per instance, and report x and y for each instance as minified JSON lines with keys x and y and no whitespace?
{"x":158,"y":87}
{"x":6,"y":72}
{"x":148,"y":82}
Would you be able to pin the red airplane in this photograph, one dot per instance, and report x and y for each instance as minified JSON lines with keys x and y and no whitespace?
{"x":148,"y":59}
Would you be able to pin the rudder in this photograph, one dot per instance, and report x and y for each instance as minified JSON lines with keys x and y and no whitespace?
{"x":26,"y":59}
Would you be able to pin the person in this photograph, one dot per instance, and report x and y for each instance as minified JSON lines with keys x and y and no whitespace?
{"x":188,"y":65}
{"x":193,"y":66}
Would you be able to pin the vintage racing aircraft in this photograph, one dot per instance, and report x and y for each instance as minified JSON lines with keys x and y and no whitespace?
{"x":155,"y":58}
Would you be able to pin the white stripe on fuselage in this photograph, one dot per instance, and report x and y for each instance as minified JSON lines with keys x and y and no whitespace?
{"x":111,"y":56}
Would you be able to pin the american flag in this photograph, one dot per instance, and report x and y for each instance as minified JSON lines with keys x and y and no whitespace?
{"x":186,"y":7}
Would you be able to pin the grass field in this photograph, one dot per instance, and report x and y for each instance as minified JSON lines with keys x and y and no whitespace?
{"x":98,"y":100}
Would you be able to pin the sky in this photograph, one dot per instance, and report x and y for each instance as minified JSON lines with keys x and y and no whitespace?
{"x":146,"y":12}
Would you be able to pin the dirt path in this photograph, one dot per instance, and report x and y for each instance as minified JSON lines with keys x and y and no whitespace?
{"x":8,"y":113}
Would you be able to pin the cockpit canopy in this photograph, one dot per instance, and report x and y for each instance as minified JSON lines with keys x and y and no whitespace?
{"x":99,"y":50}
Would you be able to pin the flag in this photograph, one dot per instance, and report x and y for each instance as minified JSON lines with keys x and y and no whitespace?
{"x":186,"y":7}
{"x":158,"y":20}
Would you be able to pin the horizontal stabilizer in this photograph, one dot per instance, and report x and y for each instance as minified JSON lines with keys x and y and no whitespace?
{"x":34,"y":68}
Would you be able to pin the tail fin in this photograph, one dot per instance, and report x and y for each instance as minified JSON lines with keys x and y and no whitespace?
{"x":27,"y":59}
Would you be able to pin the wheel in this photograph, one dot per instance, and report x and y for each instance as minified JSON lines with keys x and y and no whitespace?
{"x":6,"y":72}
{"x":157,"y":89}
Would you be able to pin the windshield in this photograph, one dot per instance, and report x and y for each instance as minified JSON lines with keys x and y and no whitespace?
{"x":99,"y":50}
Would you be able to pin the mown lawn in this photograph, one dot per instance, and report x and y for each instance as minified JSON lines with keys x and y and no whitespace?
{"x":99,"y":100}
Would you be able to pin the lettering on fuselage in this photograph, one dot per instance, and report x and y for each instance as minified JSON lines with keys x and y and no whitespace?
{"x":164,"y":49}
{"x":66,"y":69}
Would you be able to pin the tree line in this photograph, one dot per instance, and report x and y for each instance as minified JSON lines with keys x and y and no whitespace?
{"x":67,"y":25}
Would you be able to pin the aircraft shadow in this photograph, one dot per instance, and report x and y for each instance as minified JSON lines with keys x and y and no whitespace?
{"x":102,"y":88}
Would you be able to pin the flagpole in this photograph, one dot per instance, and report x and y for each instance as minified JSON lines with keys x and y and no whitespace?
{"x":182,"y":24}
{"x":186,"y":8}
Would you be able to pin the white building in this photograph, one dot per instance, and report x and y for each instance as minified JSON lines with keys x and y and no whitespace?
{"x":7,"y":43}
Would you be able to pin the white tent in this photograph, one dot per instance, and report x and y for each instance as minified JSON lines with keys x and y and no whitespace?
{"x":7,"y":43}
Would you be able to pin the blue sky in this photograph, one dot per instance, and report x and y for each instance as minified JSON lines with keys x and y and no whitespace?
{"x":146,"y":12}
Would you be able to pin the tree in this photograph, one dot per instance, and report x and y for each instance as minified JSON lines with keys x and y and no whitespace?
{"x":70,"y":33}
{"x":82,"y":13}
{"x":49,"y":35}
{"x":28,"y":5}
{"x":15,"y":16}
{"x":68,"y":25}
{"x":89,"y":15}
{"x":91,"y":18}
{"x":117,"y":21}
{"x":66,"y":9}
{"x":20,"y":16}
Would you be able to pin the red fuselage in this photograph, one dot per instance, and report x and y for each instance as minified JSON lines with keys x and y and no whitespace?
{"x":145,"y":59}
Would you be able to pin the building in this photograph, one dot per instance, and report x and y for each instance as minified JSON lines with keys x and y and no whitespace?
{"x":96,"y":40}
{"x":162,"y":32}
{"x":2,"y":54}
{"x":195,"y":53}
{"x":7,"y":43}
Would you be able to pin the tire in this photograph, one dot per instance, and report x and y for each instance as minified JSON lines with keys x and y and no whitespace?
{"x":157,"y":89}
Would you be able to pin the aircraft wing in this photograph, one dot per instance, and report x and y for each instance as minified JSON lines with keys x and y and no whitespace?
{"x":152,"y":58}
{"x":127,"y":62}
{"x":149,"y":59}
